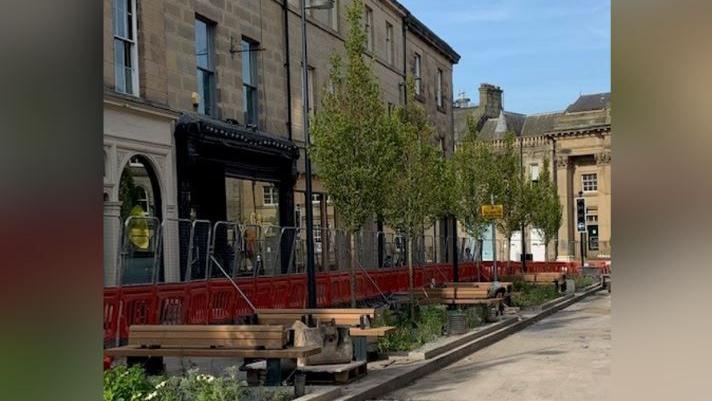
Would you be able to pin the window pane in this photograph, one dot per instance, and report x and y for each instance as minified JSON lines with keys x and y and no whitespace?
{"x":120,"y":18}
{"x":249,"y":99}
{"x":202,"y":50}
{"x":120,"y":65}
{"x":247,"y":66}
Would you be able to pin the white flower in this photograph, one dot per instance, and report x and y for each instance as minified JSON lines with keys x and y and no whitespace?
{"x":205,"y":378}
{"x":151,"y":396}
{"x":161,"y":384}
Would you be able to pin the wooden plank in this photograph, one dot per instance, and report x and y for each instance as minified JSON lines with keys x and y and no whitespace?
{"x":202,"y":343}
{"x":371,"y":332}
{"x":196,"y":327}
{"x":230,"y":335}
{"x":357,"y":311}
{"x":287,"y":353}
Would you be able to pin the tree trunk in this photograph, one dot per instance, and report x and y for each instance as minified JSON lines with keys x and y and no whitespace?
{"x":509,"y":253}
{"x":352,"y":269}
{"x":410,"y":278}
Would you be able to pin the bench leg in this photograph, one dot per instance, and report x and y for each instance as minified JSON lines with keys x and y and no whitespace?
{"x":274,"y":372}
{"x":360,"y":344}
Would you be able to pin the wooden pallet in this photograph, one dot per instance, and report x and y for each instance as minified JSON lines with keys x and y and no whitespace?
{"x":315,"y":374}
{"x":330,"y":374}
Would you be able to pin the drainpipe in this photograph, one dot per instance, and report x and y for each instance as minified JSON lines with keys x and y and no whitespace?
{"x":287,"y":65}
{"x":404,"y":25}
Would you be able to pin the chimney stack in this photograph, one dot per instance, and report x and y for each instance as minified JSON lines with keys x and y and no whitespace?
{"x":490,"y":100}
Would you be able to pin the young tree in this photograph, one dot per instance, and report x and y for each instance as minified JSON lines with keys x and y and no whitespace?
{"x":353,"y":139}
{"x":414,"y":197}
{"x":511,"y":189}
{"x":546,"y":210}
{"x":472,"y":165}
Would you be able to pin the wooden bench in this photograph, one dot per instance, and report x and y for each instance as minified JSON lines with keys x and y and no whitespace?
{"x":358,"y":318}
{"x":508,"y":287}
{"x":558,"y":279}
{"x":344,"y":317}
{"x":213,"y":341}
{"x":465,"y":296}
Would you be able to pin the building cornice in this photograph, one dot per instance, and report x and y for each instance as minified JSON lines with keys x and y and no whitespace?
{"x":137,"y":104}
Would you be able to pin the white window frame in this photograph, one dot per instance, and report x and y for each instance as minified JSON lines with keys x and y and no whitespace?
{"x":334,"y":16}
{"x":133,"y":47}
{"x":417,"y":70}
{"x":534,"y":168}
{"x":251,"y":87}
{"x":584,"y":181}
{"x":271,"y":192}
{"x":439,"y":88}
{"x":369,"y":28}
{"x":209,"y":108}
{"x":390,"y":49}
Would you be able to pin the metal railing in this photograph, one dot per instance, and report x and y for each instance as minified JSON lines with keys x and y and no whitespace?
{"x":143,"y":250}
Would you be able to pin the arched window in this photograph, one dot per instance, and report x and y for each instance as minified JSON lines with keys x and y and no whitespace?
{"x":139,"y":187}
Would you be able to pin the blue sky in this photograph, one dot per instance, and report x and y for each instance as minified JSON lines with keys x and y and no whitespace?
{"x":542,"y":53}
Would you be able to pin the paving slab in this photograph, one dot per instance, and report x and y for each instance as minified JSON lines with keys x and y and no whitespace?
{"x":565,"y":357}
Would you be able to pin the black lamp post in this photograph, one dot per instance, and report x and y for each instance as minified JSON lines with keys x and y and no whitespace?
{"x":311,"y":270}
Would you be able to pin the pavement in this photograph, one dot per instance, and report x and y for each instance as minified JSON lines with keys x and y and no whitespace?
{"x":565,"y":357}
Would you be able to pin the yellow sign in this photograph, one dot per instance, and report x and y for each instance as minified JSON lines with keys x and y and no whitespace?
{"x":492,"y":211}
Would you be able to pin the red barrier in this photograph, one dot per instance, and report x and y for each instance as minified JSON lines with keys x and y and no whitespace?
{"x":216,"y":301}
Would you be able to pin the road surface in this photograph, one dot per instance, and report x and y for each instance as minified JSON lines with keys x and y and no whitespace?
{"x":565,"y":357}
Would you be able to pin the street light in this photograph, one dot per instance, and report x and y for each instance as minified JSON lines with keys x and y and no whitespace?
{"x":311,"y":270}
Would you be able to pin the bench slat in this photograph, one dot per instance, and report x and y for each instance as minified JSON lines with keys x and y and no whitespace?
{"x":203,"y":328}
{"x":287,"y":353}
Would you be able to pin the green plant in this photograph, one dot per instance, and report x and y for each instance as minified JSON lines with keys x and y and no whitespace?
{"x":426,"y":326}
{"x":583,"y":281}
{"x":475,"y":316}
{"x":534,"y":295}
{"x":354,"y":141}
{"x":546,"y":210}
{"x":122,"y":383}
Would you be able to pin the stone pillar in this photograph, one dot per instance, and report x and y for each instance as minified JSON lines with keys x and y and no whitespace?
{"x":564,"y":185}
{"x":112,"y":241}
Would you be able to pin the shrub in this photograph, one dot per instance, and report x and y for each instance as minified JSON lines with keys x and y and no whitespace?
{"x":131,"y":384}
{"x":583,"y":281}
{"x":410,"y":334}
{"x":122,"y":383}
{"x":534,"y":295}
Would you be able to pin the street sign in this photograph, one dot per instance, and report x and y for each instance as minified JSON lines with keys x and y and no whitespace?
{"x":490,"y":212}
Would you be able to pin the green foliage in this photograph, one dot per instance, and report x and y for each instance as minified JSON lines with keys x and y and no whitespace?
{"x":410,"y":334}
{"x":528,"y":295}
{"x":128,"y":384}
{"x":413,"y":200}
{"x":128,"y":194}
{"x":583,"y":281}
{"x":122,"y":383}
{"x":512,"y":188}
{"x":546,"y":210}
{"x":476,"y":316}
{"x":472,"y":171}
{"x":354,"y":141}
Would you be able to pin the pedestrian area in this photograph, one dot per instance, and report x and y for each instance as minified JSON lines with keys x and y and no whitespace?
{"x":565,"y":357}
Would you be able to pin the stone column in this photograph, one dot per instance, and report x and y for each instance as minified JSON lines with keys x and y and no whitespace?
{"x":563,"y":180}
{"x":112,"y":241}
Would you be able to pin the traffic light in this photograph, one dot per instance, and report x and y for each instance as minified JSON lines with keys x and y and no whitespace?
{"x":580,"y":215}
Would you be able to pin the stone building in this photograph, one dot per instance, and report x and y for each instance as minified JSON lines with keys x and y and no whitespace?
{"x":202,"y":99}
{"x":577,"y":144}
